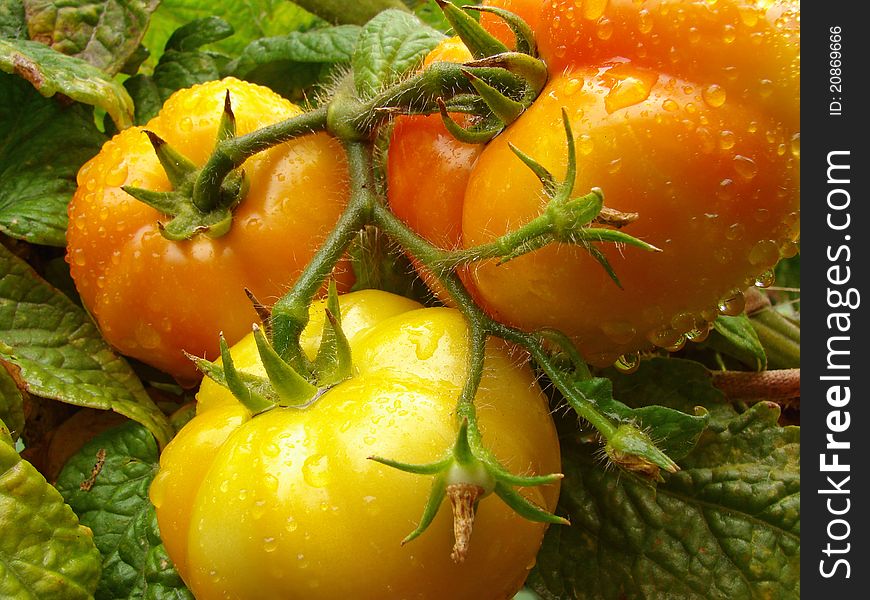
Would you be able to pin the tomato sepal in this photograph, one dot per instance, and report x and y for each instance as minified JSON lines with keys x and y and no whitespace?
{"x":465,"y":478}
{"x":479,"y":41}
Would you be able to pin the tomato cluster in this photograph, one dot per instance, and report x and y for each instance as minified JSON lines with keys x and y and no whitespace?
{"x":683,"y":112}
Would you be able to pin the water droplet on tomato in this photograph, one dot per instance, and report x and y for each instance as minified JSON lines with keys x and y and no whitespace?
{"x":604,"y":28}
{"x":765,"y":279}
{"x":764,"y":253}
{"x":670,"y":105}
{"x":796,"y":145}
{"x":677,"y":345}
{"x":644,"y":21}
{"x":714,"y":95}
{"x":584,"y":144}
{"x":788,"y":249}
{"x":620,"y":332}
{"x":117,"y":176}
{"x":628,"y":90}
{"x":270,"y":544}
{"x":699,"y":334}
{"x":733,"y":304}
{"x":729,"y":34}
{"x":315,"y":470}
{"x":627,"y":363}
{"x":727,"y":139}
{"x":745,"y":166}
{"x":593,"y":9}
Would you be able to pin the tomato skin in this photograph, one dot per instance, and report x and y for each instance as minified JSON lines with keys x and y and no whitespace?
{"x":745,"y":51}
{"x":152,"y":297}
{"x":712,"y":170}
{"x":287,"y":505}
{"x":718,"y":226}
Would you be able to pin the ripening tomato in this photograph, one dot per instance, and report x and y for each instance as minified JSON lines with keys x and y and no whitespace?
{"x":712,"y":169}
{"x":153,"y":298}
{"x":286,"y":504}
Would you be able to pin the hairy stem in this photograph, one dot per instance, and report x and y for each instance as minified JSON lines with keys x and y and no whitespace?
{"x":290,"y":312}
{"x":230,"y":153}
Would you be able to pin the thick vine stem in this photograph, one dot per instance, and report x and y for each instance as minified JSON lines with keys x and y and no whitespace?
{"x":230,"y":153}
{"x":290,"y":312}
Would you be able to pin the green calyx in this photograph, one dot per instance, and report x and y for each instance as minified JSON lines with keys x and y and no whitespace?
{"x":187,"y":218}
{"x":285,"y":384}
{"x":465,"y":477}
{"x":503,"y":104}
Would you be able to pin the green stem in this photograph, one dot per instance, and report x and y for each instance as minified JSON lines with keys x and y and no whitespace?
{"x":230,"y":153}
{"x":480,"y":325}
{"x":290,"y":313}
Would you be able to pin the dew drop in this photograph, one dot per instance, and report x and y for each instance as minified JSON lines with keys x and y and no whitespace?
{"x":789,"y":249}
{"x":604,"y":28}
{"x":117,"y":176}
{"x":644,"y":21}
{"x":796,"y":145}
{"x":572,"y":86}
{"x":677,"y":345}
{"x":664,"y":337}
{"x":670,"y":105}
{"x":627,"y":363}
{"x":146,"y":336}
{"x":593,"y":9}
{"x":766,"y":279}
{"x":694,"y":35}
{"x":626,"y":92}
{"x":714,"y":95}
{"x":727,"y":139}
{"x":699,"y":334}
{"x":620,"y":332}
{"x":186,"y":124}
{"x":745,"y":166}
{"x":270,"y":544}
{"x":614,"y":166}
{"x":764,"y":254}
{"x":683,"y":322}
{"x":291,"y":525}
{"x":735,"y":232}
{"x":315,"y":470}
{"x":585,"y":144}
{"x":733,"y":304}
{"x":765,"y":88}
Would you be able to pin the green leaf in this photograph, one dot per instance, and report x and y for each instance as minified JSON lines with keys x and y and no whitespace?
{"x":357,"y":12}
{"x":182,"y":65}
{"x":44,"y":551}
{"x":37,"y":174}
{"x":11,"y":403}
{"x":726,"y":526}
{"x":12,"y":23}
{"x":52,"y":73}
{"x":295,"y":61}
{"x":390,"y":46}
{"x":735,"y":337}
{"x":251,"y":20}
{"x":674,"y":432}
{"x":60,"y":353}
{"x":114,"y":504}
{"x":105,"y":34}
